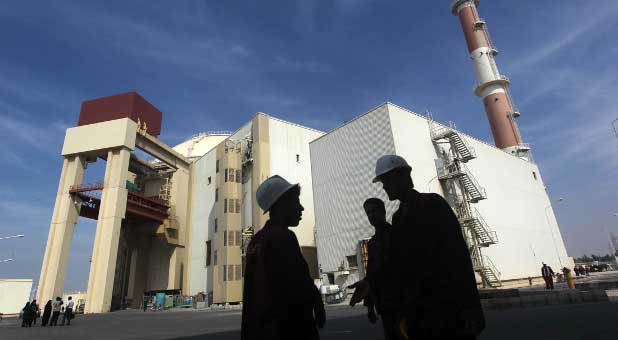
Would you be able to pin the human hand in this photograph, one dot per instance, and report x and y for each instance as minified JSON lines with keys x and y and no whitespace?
{"x":361,"y":291}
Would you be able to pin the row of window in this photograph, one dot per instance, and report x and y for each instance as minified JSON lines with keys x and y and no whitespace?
{"x":232,"y":272}
{"x":232,"y":238}
{"x":232,"y":175}
{"x":231,"y":205}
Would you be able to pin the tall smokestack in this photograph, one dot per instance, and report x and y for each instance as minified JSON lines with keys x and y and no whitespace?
{"x":491,"y":85}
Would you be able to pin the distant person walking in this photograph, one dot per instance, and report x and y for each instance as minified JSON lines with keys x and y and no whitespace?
{"x":442,"y":302}
{"x":46,"y":313}
{"x":56,"y":307}
{"x":36,"y":312}
{"x":280,"y":301}
{"x":380,"y":299}
{"x":27,"y":316}
{"x":548,"y":276}
{"x":68,"y":312}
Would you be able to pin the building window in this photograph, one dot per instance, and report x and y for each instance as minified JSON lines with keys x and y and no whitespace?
{"x":237,"y":269}
{"x":217,"y":195}
{"x":230,"y":272}
{"x":225,"y":238}
{"x":238,"y":238}
{"x":237,"y":206}
{"x":225,"y":205}
{"x":534,"y":175}
{"x":216,"y":224}
{"x":224,"y":273}
{"x":232,"y":238}
{"x":238,"y":176}
{"x":209,"y":180}
{"x":208,"y":252}
{"x":225,"y":175}
{"x":352,"y":261}
{"x":297,"y":158}
{"x":231,"y":207}
{"x":217,"y":167}
{"x":214,"y":257}
{"x":231,"y":175}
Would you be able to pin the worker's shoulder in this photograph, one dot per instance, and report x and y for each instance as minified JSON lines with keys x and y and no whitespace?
{"x":432,"y":197}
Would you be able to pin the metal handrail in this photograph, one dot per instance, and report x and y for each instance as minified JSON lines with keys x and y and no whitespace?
{"x":489,"y":264}
{"x":460,"y":168}
{"x":492,"y":234}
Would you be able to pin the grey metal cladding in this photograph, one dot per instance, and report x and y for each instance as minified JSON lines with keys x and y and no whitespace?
{"x":343,"y":165}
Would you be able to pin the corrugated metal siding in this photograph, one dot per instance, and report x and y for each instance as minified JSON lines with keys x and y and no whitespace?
{"x":343,"y":165}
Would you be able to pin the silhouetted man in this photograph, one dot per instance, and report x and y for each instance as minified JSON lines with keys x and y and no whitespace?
{"x":280,"y":301}
{"x":442,"y":302}
{"x":548,"y":276}
{"x":377,"y":248}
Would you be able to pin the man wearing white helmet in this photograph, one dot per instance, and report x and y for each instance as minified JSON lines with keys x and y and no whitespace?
{"x":280,"y":300}
{"x":442,"y":302}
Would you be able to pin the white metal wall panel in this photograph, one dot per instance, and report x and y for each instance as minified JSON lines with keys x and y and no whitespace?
{"x":343,"y":166}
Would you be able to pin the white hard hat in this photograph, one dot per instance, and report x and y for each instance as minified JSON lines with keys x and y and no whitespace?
{"x":388,"y":163}
{"x":270,"y":190}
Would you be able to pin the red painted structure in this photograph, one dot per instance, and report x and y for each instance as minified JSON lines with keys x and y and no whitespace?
{"x":124,"y":105}
{"x":138,"y":205}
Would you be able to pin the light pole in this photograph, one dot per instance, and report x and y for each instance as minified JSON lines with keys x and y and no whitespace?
{"x":12,"y":236}
{"x":552,"y":232}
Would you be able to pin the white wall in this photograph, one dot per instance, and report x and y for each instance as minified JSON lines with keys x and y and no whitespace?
{"x":14,"y":294}
{"x":343,"y":166}
{"x":286,"y":141}
{"x":202,"y":222}
{"x":158,"y":265}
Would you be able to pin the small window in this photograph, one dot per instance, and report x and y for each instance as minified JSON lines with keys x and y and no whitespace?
{"x":231,"y":175}
{"x":225,"y":205}
{"x":231,"y":207}
{"x":230,"y":272}
{"x":297,"y":158}
{"x":225,"y":237}
{"x":232,"y":238}
{"x":209,"y":180}
{"x":216,"y":194}
{"x":225,"y":176}
{"x":238,"y":176}
{"x":237,"y":206}
{"x":238,"y":273}
{"x":238,"y":238}
{"x":534,"y":175}
{"x":216,"y":224}
{"x":217,"y":167}
{"x":214,"y":257}
{"x":352,"y":261}
{"x":224,"y":273}
{"x":208,"y":252}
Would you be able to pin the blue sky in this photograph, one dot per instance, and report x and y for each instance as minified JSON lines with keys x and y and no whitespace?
{"x":210,"y":65}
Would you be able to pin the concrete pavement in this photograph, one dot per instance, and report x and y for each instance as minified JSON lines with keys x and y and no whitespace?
{"x":565,"y":322}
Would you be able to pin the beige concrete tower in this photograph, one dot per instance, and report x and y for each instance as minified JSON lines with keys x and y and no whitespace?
{"x":492,"y":86}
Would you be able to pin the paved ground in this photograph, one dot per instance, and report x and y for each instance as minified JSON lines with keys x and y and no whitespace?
{"x":586,"y":321}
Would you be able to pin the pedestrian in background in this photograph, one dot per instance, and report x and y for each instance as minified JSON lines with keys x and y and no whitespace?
{"x":46,"y":313}
{"x":68,"y":312}
{"x":56,"y":307}
{"x":548,"y":276}
{"x":36,"y":312}
{"x":280,"y":301}
{"x":26,"y":318}
{"x":442,"y":302}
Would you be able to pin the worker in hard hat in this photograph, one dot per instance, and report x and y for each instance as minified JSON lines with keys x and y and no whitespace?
{"x":280,"y":300}
{"x":442,"y":302}
{"x":380,"y":299}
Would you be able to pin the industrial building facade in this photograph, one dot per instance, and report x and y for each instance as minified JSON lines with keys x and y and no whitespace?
{"x":499,"y":198}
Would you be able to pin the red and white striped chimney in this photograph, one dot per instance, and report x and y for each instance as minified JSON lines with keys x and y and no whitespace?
{"x":491,"y":85}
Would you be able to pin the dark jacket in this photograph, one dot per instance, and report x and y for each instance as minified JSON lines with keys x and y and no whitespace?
{"x":278,"y":293}
{"x":377,"y":257}
{"x":46,"y":313}
{"x":438,"y":300}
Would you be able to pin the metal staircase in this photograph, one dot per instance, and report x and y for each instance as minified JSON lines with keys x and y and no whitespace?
{"x":466,"y":190}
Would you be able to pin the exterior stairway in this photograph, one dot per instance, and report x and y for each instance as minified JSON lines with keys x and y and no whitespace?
{"x":463,"y":151}
{"x":473,"y":220}
{"x":456,"y":169}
